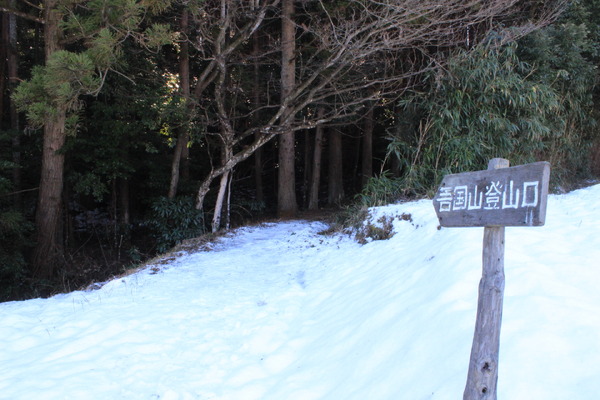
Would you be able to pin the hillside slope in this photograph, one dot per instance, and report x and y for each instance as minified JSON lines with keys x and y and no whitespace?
{"x":281,"y":311}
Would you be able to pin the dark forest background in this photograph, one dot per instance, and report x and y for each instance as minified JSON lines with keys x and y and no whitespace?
{"x":128,"y":126}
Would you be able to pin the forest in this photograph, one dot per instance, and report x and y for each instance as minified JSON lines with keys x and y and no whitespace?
{"x":129,"y":126}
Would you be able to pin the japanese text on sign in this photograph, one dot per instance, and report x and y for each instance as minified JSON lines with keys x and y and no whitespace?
{"x":494,"y":196}
{"x":513,"y":196}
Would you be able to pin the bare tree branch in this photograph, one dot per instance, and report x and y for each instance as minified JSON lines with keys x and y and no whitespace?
{"x":21,"y":14}
{"x":367,"y":51}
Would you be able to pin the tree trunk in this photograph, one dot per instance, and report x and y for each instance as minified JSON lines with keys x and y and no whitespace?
{"x":229,"y":164}
{"x":315,"y":182}
{"x":258,"y":175}
{"x":180,"y":164}
{"x":227,"y":154}
{"x":336,"y":177}
{"x":228,"y":212}
{"x":124,"y":213}
{"x":114,"y":204}
{"x":286,"y":194}
{"x":307,"y":173}
{"x":367,"y":149}
{"x":48,"y":249}
{"x":258,"y":159}
{"x":182,"y":141}
{"x":223,"y":186}
{"x":66,"y":230}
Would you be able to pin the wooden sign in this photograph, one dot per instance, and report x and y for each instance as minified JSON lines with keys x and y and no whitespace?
{"x":497,"y":197}
{"x":514,"y":196}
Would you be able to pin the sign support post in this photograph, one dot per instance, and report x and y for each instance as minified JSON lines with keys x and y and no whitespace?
{"x":494,"y":198}
{"x":483,"y":365}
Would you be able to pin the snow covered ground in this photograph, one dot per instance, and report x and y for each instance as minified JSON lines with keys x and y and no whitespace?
{"x":282,"y":312}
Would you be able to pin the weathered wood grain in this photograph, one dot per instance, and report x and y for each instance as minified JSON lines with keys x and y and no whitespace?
{"x":482,"y":377}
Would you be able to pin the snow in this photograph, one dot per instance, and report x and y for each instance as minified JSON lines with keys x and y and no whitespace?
{"x":282,"y":311}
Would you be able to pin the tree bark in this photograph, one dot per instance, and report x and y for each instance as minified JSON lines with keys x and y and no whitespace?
{"x":182,"y":142}
{"x":48,"y":249}
{"x":286,"y":193}
{"x":307,"y":154}
{"x":227,"y":153}
{"x":367,"y":148}
{"x":223,"y":186}
{"x":315,"y":182}
{"x":336,"y":177}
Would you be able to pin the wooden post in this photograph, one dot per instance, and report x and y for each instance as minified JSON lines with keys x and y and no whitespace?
{"x":483,"y":365}
{"x":494,"y":198}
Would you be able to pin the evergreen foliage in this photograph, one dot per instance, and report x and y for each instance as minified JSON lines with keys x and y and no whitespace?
{"x":59,"y":83}
{"x":487,"y":103}
{"x":14,"y":230}
{"x":174,"y":220}
{"x":103,"y":27}
{"x":381,"y":190}
{"x":562,"y":56}
{"x":117,"y":135}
